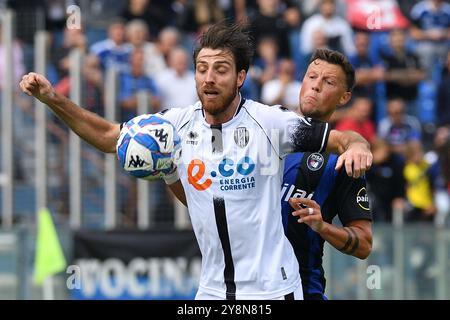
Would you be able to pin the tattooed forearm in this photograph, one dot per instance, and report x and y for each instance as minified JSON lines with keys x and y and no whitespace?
{"x":354,"y":239}
{"x":355,"y":244}
{"x":352,"y":243}
{"x":349,"y":241}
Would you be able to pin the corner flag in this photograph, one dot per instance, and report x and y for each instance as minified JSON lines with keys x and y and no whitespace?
{"x":49,"y":258}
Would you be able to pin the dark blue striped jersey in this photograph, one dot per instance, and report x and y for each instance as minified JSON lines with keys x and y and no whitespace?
{"x":312,"y":175}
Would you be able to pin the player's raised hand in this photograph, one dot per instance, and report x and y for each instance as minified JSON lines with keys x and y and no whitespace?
{"x":357,"y":160}
{"x":37,"y":85}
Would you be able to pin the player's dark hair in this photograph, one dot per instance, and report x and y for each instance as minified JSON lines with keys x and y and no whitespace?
{"x":228,"y":36}
{"x":337,"y":58}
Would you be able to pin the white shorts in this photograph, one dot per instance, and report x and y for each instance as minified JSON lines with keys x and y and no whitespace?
{"x":296,"y":295}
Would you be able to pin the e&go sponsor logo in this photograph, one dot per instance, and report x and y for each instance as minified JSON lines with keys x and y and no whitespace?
{"x":227,"y":168}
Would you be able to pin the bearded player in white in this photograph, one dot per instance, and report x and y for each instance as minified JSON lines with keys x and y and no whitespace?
{"x":230,"y":168}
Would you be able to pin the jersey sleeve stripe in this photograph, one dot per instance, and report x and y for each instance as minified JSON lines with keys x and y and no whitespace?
{"x":324,"y":138}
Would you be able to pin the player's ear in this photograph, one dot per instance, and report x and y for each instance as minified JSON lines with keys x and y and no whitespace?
{"x":241,"y":78}
{"x":345,"y":98}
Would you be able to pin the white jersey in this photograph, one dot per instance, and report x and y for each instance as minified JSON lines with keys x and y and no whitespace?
{"x":232,"y":176}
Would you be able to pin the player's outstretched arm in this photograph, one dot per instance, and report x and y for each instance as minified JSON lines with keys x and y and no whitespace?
{"x":354,"y":150}
{"x":178,"y":191}
{"x":354,"y":239}
{"x":95,"y":130}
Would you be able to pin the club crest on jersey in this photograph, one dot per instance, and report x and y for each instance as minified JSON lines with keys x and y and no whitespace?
{"x":241,"y":136}
{"x":192,"y":138}
{"x":315,"y":161}
{"x":362,"y":199}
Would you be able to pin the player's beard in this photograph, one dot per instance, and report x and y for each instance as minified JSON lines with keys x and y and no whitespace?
{"x":219,"y":104}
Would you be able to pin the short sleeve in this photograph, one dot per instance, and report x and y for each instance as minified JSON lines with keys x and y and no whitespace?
{"x":353,"y":199}
{"x":296,"y":133}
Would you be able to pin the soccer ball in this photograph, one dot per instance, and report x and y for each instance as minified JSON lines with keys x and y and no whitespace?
{"x":148,"y":147}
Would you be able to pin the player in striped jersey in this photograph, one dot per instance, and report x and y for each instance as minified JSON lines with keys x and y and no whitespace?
{"x":314,"y":192}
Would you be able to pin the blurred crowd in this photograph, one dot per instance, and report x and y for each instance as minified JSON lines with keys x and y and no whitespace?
{"x":400,"y":51}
